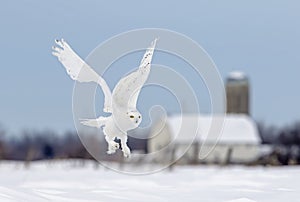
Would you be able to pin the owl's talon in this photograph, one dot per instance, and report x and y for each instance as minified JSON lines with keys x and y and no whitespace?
{"x":111,"y":151}
{"x":112,"y":147}
{"x":126,"y":152}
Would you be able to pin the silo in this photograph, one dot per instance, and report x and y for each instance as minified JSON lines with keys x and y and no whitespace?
{"x":237,"y":93}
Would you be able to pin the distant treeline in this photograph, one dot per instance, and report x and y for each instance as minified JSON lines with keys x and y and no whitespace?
{"x":285,"y":142}
{"x":287,"y":135}
{"x":38,"y":145}
{"x":42,"y":145}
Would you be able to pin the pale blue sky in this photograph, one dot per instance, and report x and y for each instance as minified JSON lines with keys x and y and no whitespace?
{"x":261,"y":38}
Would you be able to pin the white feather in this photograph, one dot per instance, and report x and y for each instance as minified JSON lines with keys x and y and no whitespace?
{"x":78,"y":70}
{"x":126,"y":92}
{"x":94,"y":122}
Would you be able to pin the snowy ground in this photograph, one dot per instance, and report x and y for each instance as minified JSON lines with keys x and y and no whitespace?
{"x":67,"y":181}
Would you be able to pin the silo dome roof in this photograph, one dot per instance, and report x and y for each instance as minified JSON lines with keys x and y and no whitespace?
{"x":237,"y":76}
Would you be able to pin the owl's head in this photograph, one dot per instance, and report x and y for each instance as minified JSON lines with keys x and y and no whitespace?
{"x":135,"y":117}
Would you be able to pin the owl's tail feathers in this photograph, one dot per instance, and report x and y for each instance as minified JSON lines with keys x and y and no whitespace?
{"x":99,"y":122}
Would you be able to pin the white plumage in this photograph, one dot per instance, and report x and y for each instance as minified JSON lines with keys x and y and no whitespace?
{"x":121,"y":103}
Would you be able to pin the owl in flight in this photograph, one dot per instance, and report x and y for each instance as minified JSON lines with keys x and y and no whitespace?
{"x":120,"y":103}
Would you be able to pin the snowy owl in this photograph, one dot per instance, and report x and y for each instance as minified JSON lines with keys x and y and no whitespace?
{"x":121,"y":103}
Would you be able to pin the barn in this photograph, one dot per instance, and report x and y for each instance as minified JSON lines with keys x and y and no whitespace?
{"x":238,"y":142}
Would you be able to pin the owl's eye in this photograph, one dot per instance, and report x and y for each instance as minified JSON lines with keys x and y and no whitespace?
{"x":139,"y":117}
{"x":131,"y":116}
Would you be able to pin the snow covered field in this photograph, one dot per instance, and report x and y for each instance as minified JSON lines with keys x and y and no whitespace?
{"x":65,"y":181}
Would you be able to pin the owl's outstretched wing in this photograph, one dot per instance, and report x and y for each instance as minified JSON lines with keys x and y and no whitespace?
{"x":126,"y":92}
{"x":80,"y":71}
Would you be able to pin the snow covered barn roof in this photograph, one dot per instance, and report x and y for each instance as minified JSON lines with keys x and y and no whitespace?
{"x":237,"y":129}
